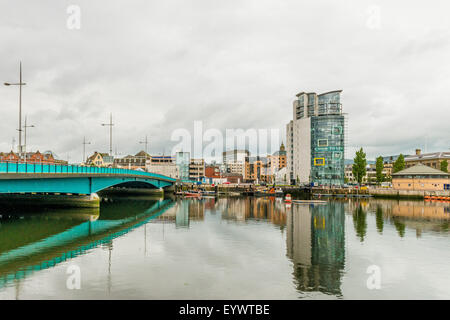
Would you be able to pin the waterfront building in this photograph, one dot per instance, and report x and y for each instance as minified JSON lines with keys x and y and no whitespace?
{"x":315,"y":139}
{"x":164,"y":165}
{"x":432,"y":159}
{"x":234,"y":161}
{"x":197,"y":169}
{"x":95,"y":160}
{"x":370,"y":177}
{"x":281,"y":176}
{"x":422,"y":178}
{"x":277,"y":160}
{"x":138,"y":161}
{"x":254,"y":169}
{"x":183,"y":160}
{"x":100,"y":160}
{"x":230,"y":178}
{"x":212,"y":171}
{"x":37,"y":157}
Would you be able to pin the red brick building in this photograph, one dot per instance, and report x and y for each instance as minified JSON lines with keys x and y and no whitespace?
{"x":31,"y":157}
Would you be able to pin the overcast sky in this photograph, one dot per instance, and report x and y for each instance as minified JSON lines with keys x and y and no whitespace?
{"x":161,"y":65}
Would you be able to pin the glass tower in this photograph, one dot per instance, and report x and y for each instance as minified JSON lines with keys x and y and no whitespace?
{"x":317,"y":144}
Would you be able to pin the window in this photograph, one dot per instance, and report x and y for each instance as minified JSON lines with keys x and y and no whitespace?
{"x":319,"y":161}
{"x":337,"y":130}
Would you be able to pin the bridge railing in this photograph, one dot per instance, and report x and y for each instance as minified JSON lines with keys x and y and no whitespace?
{"x":27,"y":168}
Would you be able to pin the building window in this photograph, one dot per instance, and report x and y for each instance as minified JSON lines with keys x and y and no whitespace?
{"x":322,"y":142}
{"x":337,"y":130}
{"x":319,"y":161}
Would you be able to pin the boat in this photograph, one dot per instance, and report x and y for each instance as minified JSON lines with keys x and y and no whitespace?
{"x":309,"y":201}
{"x":192,"y":194}
{"x":272,"y":192}
{"x":208,"y":193}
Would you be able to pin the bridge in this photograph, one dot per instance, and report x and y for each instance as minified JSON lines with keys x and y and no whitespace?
{"x":26,"y":178}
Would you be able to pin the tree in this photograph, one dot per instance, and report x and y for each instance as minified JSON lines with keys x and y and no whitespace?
{"x":444,"y":166}
{"x":359,"y":166}
{"x":379,"y":169}
{"x":399,"y":164}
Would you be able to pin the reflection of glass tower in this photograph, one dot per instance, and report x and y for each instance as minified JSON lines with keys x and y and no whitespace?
{"x":182,"y":215}
{"x":316,"y":245}
{"x":315,"y":139}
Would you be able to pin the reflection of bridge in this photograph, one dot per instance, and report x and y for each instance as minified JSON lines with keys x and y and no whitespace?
{"x":41,"y":178}
{"x":48,"y":252}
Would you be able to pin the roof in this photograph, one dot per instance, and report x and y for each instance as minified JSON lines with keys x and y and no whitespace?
{"x":279,"y":153}
{"x":420,"y":169}
{"x":322,"y":94}
{"x":142,"y":153}
{"x":428,"y":156}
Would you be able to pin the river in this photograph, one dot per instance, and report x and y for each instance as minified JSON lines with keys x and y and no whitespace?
{"x":228,"y":248}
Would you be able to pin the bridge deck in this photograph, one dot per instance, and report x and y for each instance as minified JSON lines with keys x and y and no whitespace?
{"x":9,"y":170}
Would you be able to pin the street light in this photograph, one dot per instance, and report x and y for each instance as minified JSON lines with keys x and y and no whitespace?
{"x":20,"y":84}
{"x":25,"y":134}
{"x":110,"y":125}
{"x":84,"y":149}
{"x":146,"y":144}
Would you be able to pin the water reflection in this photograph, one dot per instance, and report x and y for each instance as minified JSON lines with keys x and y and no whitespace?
{"x":422,"y":216}
{"x":316,"y":246}
{"x":32,"y":242}
{"x":247,"y":239}
{"x":269,"y":209}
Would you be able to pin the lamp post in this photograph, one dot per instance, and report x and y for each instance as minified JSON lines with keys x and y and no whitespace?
{"x":20,"y":84}
{"x":146,"y":144}
{"x":84,"y":149}
{"x":25,"y":136}
{"x":110,"y":125}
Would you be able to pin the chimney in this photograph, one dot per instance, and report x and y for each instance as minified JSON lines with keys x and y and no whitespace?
{"x":418,"y":152}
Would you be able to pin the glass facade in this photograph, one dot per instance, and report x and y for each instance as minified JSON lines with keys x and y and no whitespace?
{"x":182,"y":160}
{"x":327,"y":149}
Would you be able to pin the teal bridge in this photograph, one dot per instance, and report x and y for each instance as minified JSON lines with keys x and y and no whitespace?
{"x":26,"y":178}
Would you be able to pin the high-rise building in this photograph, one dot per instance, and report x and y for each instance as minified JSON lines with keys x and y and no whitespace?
{"x":234,"y":161}
{"x":183,"y":160}
{"x":197,"y":169}
{"x":315,"y":139}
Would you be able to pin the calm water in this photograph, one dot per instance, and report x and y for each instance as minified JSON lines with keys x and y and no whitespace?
{"x":235,"y":248}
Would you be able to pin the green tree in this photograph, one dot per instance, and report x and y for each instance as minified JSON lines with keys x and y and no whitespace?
{"x":379,"y":168}
{"x":399,"y":164}
{"x":444,"y":166}
{"x":359,"y":166}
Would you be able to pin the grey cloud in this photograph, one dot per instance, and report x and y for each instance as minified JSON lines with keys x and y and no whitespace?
{"x":159,"y":66}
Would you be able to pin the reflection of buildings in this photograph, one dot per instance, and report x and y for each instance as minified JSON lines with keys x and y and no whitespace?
{"x":316,"y":244}
{"x":241,"y":209}
{"x":185,"y":211}
{"x":417,"y":215}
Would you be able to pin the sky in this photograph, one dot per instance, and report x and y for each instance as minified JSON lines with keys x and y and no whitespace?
{"x":158,"y":66}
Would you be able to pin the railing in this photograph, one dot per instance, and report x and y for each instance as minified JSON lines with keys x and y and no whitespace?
{"x":26,"y":168}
